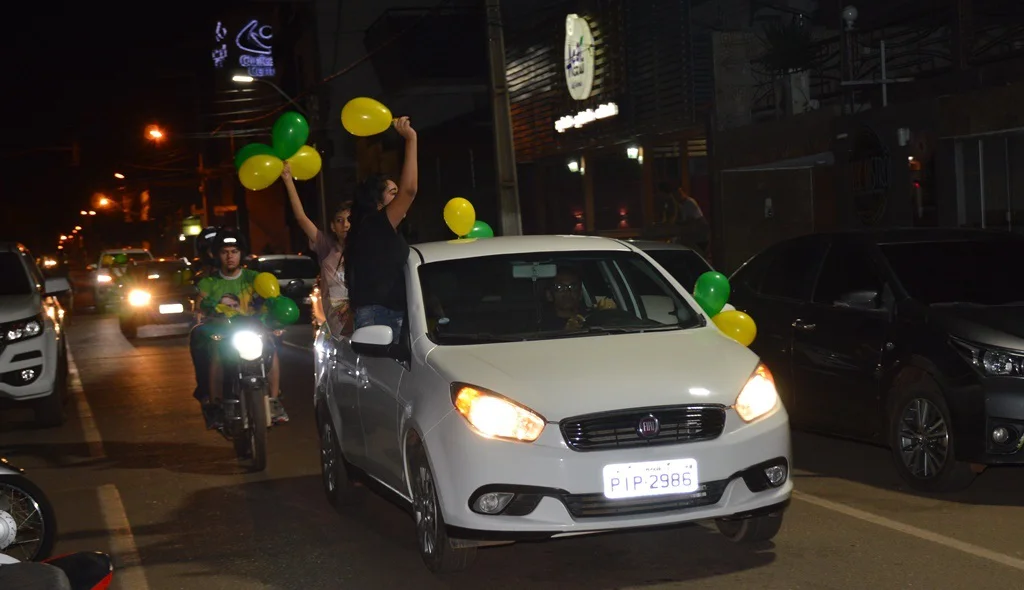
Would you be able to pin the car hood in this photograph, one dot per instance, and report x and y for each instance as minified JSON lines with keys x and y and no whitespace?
{"x":573,"y":376}
{"x":994,"y":325}
{"x":19,"y":307}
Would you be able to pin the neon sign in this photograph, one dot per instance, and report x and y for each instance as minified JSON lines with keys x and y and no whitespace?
{"x":253,"y":47}
{"x":581,"y":118}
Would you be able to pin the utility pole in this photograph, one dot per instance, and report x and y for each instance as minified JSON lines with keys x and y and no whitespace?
{"x":505,"y":155}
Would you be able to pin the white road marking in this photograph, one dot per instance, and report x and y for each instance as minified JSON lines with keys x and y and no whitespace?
{"x":128,"y":572}
{"x":89,"y":430}
{"x":913,"y":531}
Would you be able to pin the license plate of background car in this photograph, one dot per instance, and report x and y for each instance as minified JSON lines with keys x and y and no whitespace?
{"x":650,"y":478}
{"x":172,"y":308}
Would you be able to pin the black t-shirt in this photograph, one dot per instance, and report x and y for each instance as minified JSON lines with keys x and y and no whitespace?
{"x":376,"y":257}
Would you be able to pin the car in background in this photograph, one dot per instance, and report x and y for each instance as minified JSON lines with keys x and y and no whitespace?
{"x":532,"y":393}
{"x":109,"y":272}
{"x":156,"y":292}
{"x":297,"y":276}
{"x":33,"y":350}
{"x":682,"y":262}
{"x":910,"y":338}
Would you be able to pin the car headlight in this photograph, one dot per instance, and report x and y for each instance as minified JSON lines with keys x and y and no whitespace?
{"x":991,"y":361}
{"x":759,"y":396}
{"x":139,"y":298}
{"x":494,"y":416}
{"x":248,"y":344}
{"x":23,"y":329}
{"x":103,"y":278}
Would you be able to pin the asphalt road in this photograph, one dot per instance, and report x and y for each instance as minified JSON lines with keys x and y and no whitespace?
{"x":135,"y":473}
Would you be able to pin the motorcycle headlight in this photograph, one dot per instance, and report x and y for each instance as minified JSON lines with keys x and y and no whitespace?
{"x":248,"y":344}
{"x":139,"y":298}
{"x":495,"y":416}
{"x":758,"y":397}
{"x":991,"y":361}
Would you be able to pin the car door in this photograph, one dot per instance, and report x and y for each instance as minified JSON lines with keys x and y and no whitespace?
{"x":841,"y":340}
{"x":380,"y":409}
{"x":345,"y":374}
{"x":772,"y":289}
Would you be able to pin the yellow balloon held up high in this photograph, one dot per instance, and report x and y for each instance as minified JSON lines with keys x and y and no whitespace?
{"x":259,"y":172}
{"x":736,"y":325}
{"x":266,"y":285}
{"x":305,"y":163}
{"x":460,"y":216}
{"x":364,"y":117}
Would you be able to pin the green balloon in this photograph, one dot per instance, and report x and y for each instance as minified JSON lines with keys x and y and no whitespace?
{"x":480,"y":230}
{"x":253,"y":149}
{"x":121,"y":259}
{"x":712,"y":292}
{"x":284,"y":310}
{"x":290,"y":133}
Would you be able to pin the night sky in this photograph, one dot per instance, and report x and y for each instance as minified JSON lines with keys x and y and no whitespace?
{"x":98,"y":72}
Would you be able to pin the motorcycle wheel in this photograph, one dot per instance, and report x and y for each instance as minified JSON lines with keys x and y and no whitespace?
{"x":40,"y":513}
{"x":257,"y":431}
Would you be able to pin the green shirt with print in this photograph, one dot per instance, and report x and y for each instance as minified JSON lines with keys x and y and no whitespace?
{"x":238,"y":292}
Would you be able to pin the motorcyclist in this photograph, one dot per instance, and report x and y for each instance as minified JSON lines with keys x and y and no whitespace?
{"x":230,"y":291}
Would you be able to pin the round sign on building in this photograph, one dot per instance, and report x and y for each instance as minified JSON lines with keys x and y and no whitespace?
{"x":579,"y":57}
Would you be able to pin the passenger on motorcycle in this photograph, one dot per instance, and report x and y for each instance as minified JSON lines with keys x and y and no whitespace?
{"x":229,"y":291}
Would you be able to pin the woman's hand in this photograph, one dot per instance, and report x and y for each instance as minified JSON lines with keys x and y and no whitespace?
{"x":404,"y":128}
{"x":286,"y":172}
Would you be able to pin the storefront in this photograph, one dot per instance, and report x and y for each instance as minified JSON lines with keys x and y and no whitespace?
{"x":607,"y":112}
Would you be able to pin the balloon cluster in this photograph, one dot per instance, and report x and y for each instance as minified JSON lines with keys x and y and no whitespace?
{"x":259,"y":164}
{"x":712,"y":294}
{"x":460,"y":216}
{"x":281,"y":308}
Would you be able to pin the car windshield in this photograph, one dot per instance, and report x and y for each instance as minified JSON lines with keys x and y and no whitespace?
{"x":968,"y":271}
{"x":546,"y":295}
{"x":290,"y":268}
{"x":14,"y":280}
{"x":167,"y":273}
{"x":685,"y":266}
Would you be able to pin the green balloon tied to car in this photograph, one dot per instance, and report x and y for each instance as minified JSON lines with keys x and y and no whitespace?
{"x":712,"y":292}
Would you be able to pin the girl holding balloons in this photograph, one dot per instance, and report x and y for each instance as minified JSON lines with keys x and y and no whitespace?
{"x":375,"y":251}
{"x":330,"y":252}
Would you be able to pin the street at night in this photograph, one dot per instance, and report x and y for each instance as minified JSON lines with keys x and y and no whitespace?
{"x":133,"y":472}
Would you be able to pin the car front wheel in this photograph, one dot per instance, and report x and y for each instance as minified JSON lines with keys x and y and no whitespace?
{"x":756,"y":529}
{"x":922,"y":443}
{"x":338,"y":486}
{"x":438,"y":552}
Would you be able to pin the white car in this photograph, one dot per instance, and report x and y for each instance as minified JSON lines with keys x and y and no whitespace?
{"x":546,"y":386}
{"x":33,"y":352}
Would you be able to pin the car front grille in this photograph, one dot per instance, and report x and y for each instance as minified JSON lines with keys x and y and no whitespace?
{"x":597,"y":505}
{"x":621,"y":429}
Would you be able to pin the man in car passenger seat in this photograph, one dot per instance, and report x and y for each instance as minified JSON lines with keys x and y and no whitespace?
{"x":567,"y":311}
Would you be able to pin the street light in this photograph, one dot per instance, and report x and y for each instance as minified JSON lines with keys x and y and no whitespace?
{"x":78,"y":228}
{"x":154,"y":133}
{"x":119,"y":176}
{"x":92,"y":213}
{"x":84,"y":212}
{"x":104,"y":201}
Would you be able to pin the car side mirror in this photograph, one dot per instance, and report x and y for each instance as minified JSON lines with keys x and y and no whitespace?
{"x":377,"y":341}
{"x":56,"y":285}
{"x":866,"y":300}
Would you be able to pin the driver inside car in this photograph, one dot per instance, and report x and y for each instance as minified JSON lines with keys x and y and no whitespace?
{"x":227,"y":292}
{"x":567,"y":311}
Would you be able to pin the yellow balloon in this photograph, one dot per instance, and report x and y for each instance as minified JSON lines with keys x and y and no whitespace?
{"x":266,"y":285}
{"x":259,"y":172}
{"x":364,"y":116}
{"x":736,"y":325}
{"x":460,"y":216}
{"x":305,"y":163}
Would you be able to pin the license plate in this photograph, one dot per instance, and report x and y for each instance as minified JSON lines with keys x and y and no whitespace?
{"x":651,"y":478}
{"x":172,"y":308}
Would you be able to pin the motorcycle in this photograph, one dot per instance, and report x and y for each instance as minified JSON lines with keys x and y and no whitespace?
{"x":246,"y":393}
{"x":28,"y":524}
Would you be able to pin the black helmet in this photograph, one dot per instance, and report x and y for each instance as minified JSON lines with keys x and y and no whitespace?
{"x":229,"y":237}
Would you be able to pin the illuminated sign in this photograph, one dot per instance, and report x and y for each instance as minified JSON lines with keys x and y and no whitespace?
{"x":251,"y":46}
{"x":583,"y":117}
{"x":579,"y":57}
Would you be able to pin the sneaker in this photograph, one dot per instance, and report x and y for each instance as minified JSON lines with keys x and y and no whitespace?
{"x":213,"y":416}
{"x":277,"y":413}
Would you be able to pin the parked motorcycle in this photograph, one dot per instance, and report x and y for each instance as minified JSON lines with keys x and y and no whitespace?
{"x":246,"y":392}
{"x":28,"y":524}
